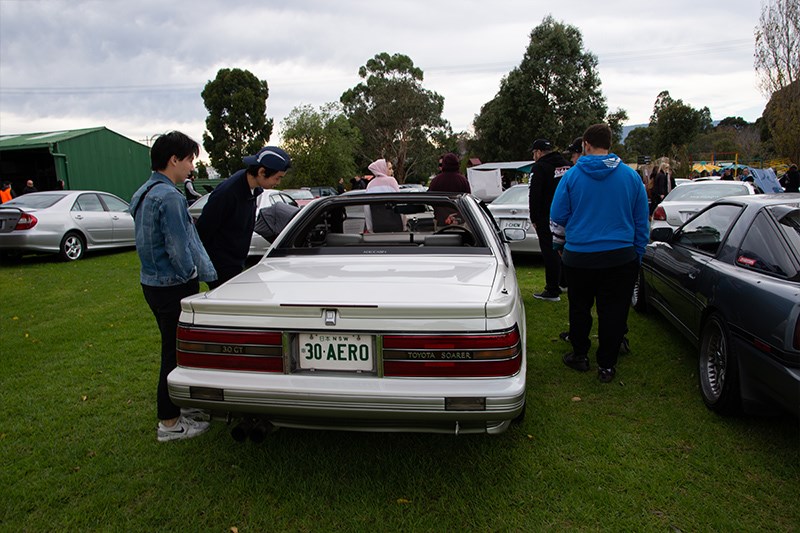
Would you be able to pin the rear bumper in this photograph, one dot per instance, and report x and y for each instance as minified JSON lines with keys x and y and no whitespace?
{"x":353,"y":403}
{"x":33,"y":241}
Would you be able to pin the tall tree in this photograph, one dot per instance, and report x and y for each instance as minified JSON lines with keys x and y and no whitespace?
{"x":777,"y":54}
{"x":640,"y":141}
{"x":237,"y":123}
{"x":676,"y":124}
{"x":322,"y":143}
{"x":782,"y":116}
{"x":777,"y":62}
{"x":554,"y":93}
{"x":396,"y":116}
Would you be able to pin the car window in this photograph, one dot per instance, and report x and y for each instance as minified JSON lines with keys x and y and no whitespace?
{"x":790,"y":225}
{"x":286,"y":198}
{"x":400,"y":226}
{"x":763,"y":250}
{"x":113,"y":203}
{"x":706,"y":231}
{"x":87,"y":202}
{"x":38,"y":201}
{"x":514,"y":195}
{"x":706,"y":192}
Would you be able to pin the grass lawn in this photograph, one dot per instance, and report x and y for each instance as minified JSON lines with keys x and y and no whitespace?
{"x":77,"y":406}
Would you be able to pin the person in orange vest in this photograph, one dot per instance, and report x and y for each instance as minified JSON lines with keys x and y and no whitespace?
{"x":6,"y":193}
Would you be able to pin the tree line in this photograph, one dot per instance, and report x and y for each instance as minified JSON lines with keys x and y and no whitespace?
{"x":555,"y":92}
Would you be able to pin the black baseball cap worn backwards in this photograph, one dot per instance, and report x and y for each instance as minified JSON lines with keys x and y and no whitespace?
{"x":270,"y":157}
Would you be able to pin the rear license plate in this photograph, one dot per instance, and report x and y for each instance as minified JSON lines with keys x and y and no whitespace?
{"x":516,"y":224}
{"x":336,"y":351}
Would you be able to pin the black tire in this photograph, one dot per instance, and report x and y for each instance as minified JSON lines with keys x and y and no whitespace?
{"x":639,"y":296}
{"x":72,"y":247}
{"x":718,"y":369}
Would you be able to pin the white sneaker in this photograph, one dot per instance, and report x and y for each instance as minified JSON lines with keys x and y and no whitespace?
{"x":184,"y":428}
{"x":195,"y":414}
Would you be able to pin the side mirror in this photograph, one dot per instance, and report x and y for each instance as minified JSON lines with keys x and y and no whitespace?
{"x":514,"y":234}
{"x":661,"y":234}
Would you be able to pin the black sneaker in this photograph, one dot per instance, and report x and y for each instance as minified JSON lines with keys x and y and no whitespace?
{"x":548,"y":296}
{"x":625,"y":346}
{"x":564,"y":336}
{"x":606,"y":375}
{"x":576,"y":362}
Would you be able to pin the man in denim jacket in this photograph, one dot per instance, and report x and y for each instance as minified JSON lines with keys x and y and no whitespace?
{"x":173,"y":263}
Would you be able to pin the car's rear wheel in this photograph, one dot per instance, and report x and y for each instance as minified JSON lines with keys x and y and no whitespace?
{"x":638,"y":300}
{"x":718,"y":368}
{"x":72,"y":247}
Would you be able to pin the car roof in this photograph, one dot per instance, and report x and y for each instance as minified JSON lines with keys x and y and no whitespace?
{"x":764,"y":199}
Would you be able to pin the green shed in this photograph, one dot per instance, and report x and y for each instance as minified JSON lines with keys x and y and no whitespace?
{"x":91,"y":158}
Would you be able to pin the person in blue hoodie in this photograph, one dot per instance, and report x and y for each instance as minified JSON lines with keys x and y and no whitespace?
{"x":599,"y":220}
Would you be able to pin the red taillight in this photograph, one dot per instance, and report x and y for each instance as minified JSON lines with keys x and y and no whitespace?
{"x":659,"y":214}
{"x":484,"y":355}
{"x":229,"y":349}
{"x":26,"y":221}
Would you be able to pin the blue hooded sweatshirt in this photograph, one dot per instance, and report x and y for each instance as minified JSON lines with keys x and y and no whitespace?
{"x":601,"y":205}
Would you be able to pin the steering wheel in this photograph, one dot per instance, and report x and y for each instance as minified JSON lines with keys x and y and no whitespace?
{"x":466,"y":235}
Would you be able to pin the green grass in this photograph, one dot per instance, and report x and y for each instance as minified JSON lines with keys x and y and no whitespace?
{"x":79,"y":351}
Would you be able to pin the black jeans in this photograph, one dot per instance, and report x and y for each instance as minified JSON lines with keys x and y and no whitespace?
{"x":611,"y":288}
{"x":550,"y":257}
{"x":165,"y":303}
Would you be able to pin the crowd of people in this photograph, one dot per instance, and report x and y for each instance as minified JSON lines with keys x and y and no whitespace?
{"x":590,"y":214}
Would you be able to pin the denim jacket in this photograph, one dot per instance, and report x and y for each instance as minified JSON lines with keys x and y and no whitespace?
{"x":166,"y":239}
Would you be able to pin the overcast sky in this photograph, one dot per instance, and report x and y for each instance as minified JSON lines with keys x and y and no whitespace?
{"x":138,"y":66}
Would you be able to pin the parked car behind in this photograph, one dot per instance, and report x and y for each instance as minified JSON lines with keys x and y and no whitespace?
{"x":65,"y":222}
{"x":729,"y":280}
{"x":301,"y":196}
{"x":687,"y":199}
{"x":392,"y":330}
{"x":258,"y":245}
{"x":512,"y":210}
{"x":322,"y":190}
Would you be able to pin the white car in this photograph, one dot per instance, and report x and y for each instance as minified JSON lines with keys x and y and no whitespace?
{"x":258,"y":245}
{"x":403,"y":330}
{"x":512,"y":210}
{"x":686,"y":200}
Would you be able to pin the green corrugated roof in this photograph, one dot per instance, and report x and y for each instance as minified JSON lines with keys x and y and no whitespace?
{"x":45,"y":138}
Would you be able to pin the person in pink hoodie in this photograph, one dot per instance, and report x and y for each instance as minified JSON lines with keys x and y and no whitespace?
{"x":382,"y":182}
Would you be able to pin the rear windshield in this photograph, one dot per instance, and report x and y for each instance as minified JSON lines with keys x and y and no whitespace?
{"x":706,"y":192}
{"x":514,"y":195}
{"x":381,"y":224}
{"x":38,"y":201}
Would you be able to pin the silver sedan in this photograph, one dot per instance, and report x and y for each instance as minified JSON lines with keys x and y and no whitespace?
{"x":511,"y":210}
{"x":65,"y":222}
{"x":687,"y":199}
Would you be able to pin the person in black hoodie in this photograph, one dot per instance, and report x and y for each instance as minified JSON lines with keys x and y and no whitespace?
{"x":449,"y":179}
{"x":791,"y":180}
{"x":546,"y":172}
{"x":227,"y":221}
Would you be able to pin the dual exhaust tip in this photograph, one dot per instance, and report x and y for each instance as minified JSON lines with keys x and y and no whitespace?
{"x":254,"y":429}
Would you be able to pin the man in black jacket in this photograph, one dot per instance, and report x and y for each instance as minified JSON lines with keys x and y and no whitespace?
{"x":546,"y":172}
{"x":227,"y":221}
